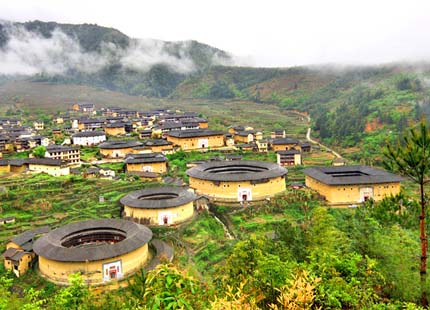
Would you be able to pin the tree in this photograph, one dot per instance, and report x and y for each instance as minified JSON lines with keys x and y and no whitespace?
{"x":412,"y":159}
{"x":39,"y":151}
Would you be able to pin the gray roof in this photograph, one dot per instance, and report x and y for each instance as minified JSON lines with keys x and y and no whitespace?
{"x":235,"y":171}
{"x":60,"y":148}
{"x":50,"y":246}
{"x":194,"y":133}
{"x":349,"y":175}
{"x":145,"y":158}
{"x":116,"y":125}
{"x":89,"y":134}
{"x":44,"y":161}
{"x":25,"y":240}
{"x":120,"y":144}
{"x":158,"y":198}
{"x":288,"y":152}
{"x":157,"y":142}
{"x":281,"y":141}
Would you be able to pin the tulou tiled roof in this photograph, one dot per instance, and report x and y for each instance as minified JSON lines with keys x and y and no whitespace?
{"x":86,"y":134}
{"x":51,"y":246}
{"x":158,"y":198}
{"x":235,"y":171}
{"x":349,"y":175}
{"x":120,"y":144}
{"x":195,"y":133}
{"x":145,"y":158}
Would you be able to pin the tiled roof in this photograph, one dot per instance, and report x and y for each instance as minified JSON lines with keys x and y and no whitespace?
{"x":194,"y":133}
{"x":50,"y":246}
{"x":349,"y":175}
{"x":240,"y":170}
{"x":158,"y":198}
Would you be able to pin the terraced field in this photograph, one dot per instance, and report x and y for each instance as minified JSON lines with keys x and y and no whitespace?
{"x":37,"y":200}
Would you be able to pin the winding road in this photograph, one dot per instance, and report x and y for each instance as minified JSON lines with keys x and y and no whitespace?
{"x":308,"y":134}
{"x":308,"y":137}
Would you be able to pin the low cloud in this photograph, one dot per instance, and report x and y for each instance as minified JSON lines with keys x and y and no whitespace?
{"x":29,"y":53}
{"x":145,"y":53}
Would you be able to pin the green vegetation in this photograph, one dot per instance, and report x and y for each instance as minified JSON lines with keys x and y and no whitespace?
{"x":39,"y":151}
{"x":413,"y":160}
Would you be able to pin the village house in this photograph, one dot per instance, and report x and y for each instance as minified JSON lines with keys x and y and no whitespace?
{"x":289,"y":158}
{"x":100,"y":250}
{"x":145,"y":134}
{"x":159,"y":206}
{"x":68,"y":154}
{"x":19,"y":255}
{"x":6,"y":144}
{"x":115,"y":129}
{"x":151,"y":162}
{"x":49,"y":166}
{"x":350,"y":185}
{"x":84,"y":107}
{"x":158,"y":146}
{"x":234,"y":129}
{"x":88,"y":124}
{"x":262,"y":145}
{"x":199,"y":139}
{"x":305,"y":147}
{"x":277,"y":133}
{"x":88,"y":138}
{"x":284,"y":144}
{"x":243,"y":137}
{"x":118,"y":149}
{"x":57,"y":132}
{"x":38,"y":125}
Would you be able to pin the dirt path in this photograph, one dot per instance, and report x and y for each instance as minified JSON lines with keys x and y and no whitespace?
{"x":308,"y":137}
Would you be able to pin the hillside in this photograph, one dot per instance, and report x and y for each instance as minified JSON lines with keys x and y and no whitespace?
{"x":348,"y":106}
{"x":99,"y":56}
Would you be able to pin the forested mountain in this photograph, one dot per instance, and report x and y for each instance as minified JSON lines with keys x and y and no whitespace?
{"x":348,"y":105}
{"x":102,"y":57}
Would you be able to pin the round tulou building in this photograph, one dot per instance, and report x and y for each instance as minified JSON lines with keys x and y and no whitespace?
{"x":159,"y":206}
{"x":100,"y":250}
{"x":237,"y":181}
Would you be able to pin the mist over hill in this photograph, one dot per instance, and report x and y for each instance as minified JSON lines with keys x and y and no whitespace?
{"x":102,"y":57}
{"x":349,"y":105}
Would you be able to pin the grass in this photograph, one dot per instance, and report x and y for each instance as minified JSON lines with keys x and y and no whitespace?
{"x":37,"y":200}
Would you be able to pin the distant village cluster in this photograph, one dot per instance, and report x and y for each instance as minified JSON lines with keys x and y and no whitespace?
{"x":104,"y":250}
{"x":159,"y":132}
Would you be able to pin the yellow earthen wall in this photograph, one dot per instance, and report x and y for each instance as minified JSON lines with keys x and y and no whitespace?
{"x":4,"y":168}
{"x":192,"y":143}
{"x":243,"y":139}
{"x":115,"y":131}
{"x":109,"y":152}
{"x":160,"y":148}
{"x":229,"y":190}
{"x":92,"y":272}
{"x":51,"y":170}
{"x":350,"y":194}
{"x":156,"y":167}
{"x":180,"y":213}
{"x":285,"y":147}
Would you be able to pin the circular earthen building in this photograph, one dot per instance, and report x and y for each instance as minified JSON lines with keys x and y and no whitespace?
{"x":159,"y":206}
{"x":237,"y":180}
{"x":101,"y":250}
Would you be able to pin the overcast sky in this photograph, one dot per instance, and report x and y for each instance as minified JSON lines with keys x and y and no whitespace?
{"x":271,"y":33}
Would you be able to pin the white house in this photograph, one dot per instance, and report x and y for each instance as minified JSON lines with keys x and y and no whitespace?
{"x":89,"y":138}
